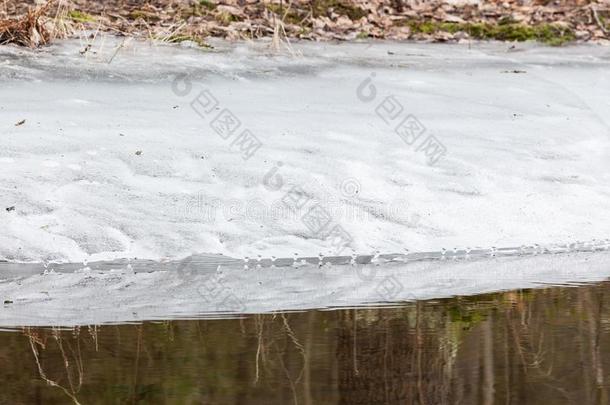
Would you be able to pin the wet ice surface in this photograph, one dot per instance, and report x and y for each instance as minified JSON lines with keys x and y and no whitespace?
{"x":88,"y":296}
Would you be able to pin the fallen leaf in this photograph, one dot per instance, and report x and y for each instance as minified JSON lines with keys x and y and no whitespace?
{"x":20,"y":123}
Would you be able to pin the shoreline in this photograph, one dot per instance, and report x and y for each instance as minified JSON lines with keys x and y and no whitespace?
{"x":563,"y":22}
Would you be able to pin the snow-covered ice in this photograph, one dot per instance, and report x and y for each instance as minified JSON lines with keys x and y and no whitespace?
{"x":112,"y":162}
{"x":122,"y":156}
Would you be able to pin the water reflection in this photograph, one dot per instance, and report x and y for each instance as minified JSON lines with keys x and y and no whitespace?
{"x":517,"y":347}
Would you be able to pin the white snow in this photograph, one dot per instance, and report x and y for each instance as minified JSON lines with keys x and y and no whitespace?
{"x":526,"y":161}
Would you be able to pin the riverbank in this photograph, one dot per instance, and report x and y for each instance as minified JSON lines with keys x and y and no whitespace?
{"x":553,"y":23}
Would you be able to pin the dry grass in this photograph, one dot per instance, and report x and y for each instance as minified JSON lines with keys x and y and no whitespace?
{"x":35,"y":28}
{"x":283,"y":20}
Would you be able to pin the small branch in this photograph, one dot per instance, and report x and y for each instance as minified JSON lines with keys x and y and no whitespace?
{"x":598,"y":20}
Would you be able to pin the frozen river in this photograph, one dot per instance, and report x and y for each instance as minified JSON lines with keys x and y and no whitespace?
{"x":120,"y":159}
{"x":127,"y":150}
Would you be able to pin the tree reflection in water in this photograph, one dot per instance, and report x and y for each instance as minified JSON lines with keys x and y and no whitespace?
{"x":518,"y":347}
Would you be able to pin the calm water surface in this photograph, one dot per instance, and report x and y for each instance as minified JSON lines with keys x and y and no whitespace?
{"x":545,"y":346}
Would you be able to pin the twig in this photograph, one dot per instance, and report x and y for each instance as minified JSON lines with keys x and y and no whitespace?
{"x":599,"y":21}
{"x":45,"y":378}
{"x":117,"y":51}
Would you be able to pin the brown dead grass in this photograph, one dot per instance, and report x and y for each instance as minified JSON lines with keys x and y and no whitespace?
{"x":32,"y":29}
{"x":558,"y":21}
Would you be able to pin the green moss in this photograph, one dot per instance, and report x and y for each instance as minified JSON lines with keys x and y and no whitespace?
{"x":503,"y":31}
{"x":362,"y":35}
{"x":79,"y":16}
{"x":450,"y":27}
{"x":479,"y":31}
{"x":321,"y":7}
{"x":555,"y":35}
{"x":207,"y":4}
{"x":426,"y":27}
{"x":513,"y":32}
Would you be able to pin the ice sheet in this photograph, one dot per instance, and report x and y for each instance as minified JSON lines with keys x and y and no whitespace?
{"x":112,"y":163}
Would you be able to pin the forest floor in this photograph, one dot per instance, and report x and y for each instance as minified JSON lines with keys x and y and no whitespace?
{"x":550,"y":22}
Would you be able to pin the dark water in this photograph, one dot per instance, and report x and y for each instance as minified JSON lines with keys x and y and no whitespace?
{"x":546,"y":346}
